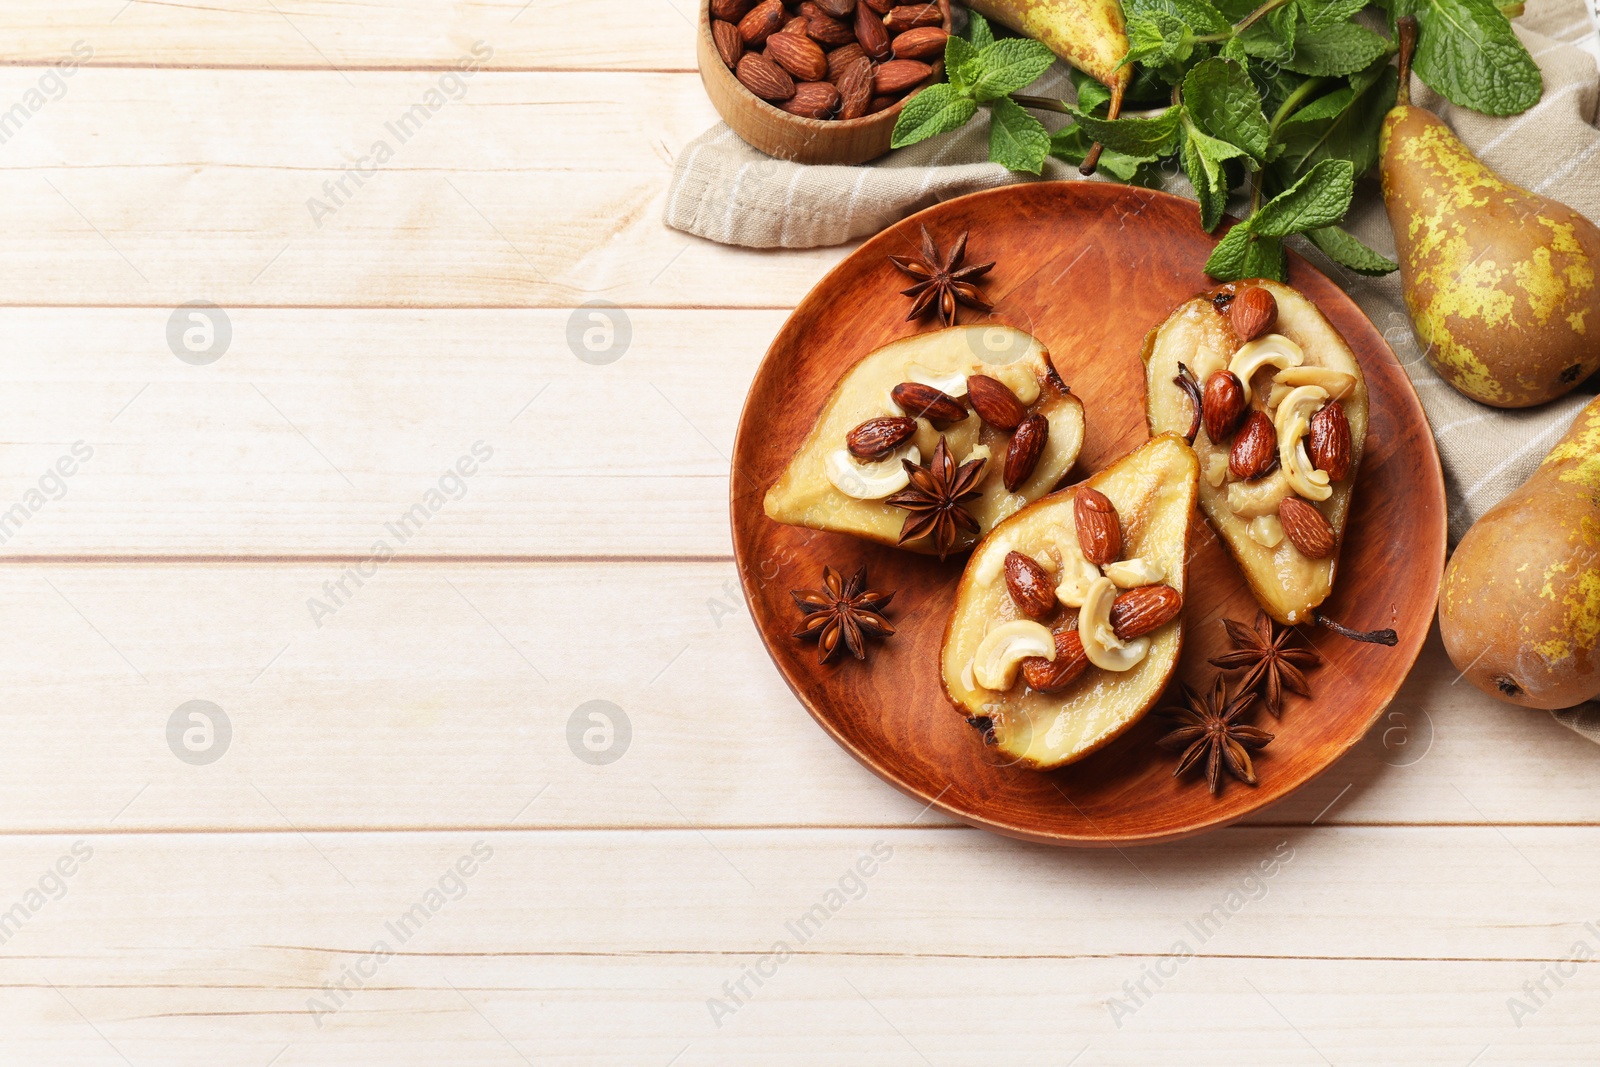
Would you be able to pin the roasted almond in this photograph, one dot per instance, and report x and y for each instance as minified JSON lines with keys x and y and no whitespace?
{"x":729,"y":10}
{"x":830,"y":32}
{"x":926,"y":42}
{"x":855,"y":89}
{"x":1099,"y":529}
{"x":763,"y":77}
{"x":1310,"y":531}
{"x":800,"y":56}
{"x":1022,"y":455}
{"x":994,"y":402}
{"x":882,"y":7}
{"x":898,"y":75}
{"x":1253,"y":312}
{"x":1329,"y":442}
{"x":730,"y":43}
{"x":842,"y":58}
{"x":812,"y":100}
{"x":912,"y":16}
{"x":925,"y":402}
{"x":762,"y":21}
{"x":809,"y":10}
{"x":1030,"y":587}
{"x":876,"y":438}
{"x":1224,"y":405}
{"x":1255,"y":450}
{"x":871,"y":35}
{"x":795,"y":26}
{"x":1143,"y":610}
{"x":839,"y":9}
{"x":882,"y":103}
{"x":1050,"y":676}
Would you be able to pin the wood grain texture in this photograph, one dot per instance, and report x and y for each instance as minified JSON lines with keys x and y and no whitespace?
{"x":1140,"y":254}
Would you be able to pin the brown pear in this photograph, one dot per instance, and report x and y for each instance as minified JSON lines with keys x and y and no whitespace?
{"x":1503,"y":284}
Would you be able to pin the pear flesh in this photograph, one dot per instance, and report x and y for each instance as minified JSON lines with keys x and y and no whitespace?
{"x":1153,"y":490}
{"x":1519,"y":610}
{"x":1501,"y":283}
{"x":1285,"y":582}
{"x":806,"y":495}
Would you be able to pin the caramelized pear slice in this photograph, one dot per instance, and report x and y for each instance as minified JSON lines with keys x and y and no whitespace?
{"x":1153,"y":490}
{"x":816,"y":489}
{"x":1286,"y":582}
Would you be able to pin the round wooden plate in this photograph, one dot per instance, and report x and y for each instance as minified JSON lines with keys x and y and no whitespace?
{"x":1089,"y":268}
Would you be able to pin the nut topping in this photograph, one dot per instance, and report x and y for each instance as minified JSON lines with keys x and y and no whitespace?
{"x":994,"y":402}
{"x":925,"y":402}
{"x":1099,"y":530}
{"x":1310,"y":531}
{"x":1022,"y":456}
{"x":1253,"y":312}
{"x":876,"y":438}
{"x":1002,"y":650}
{"x":1143,"y":610}
{"x":1255,"y":450}
{"x":1224,"y":405}
{"x":1052,"y":676}
{"x":1030,"y":587}
{"x":1330,"y":442}
{"x":1274,"y":349}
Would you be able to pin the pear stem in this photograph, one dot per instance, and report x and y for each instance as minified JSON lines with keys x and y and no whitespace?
{"x":1408,"y":46}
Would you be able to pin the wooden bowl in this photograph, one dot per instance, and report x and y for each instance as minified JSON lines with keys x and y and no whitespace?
{"x":1089,"y":268}
{"x":785,"y":136}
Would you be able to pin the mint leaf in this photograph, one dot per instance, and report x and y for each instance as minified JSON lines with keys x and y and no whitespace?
{"x":1071,"y":144}
{"x":1243,"y":254}
{"x":1091,"y":94}
{"x":1341,"y":125}
{"x":1343,"y":248}
{"x":1017,"y":140}
{"x":1320,"y":14}
{"x":1222,"y":100}
{"x":1342,"y":48}
{"x":1157,"y":38}
{"x":1201,"y":16}
{"x":1467,"y":52}
{"x":1008,"y":65}
{"x":1318,"y":199}
{"x":1135,"y":137}
{"x":937,"y":109}
{"x":960,"y":64}
{"x":1212,"y":194}
{"x":978,"y":31}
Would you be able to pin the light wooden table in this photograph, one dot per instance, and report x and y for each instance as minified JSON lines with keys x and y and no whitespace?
{"x":377,"y":842}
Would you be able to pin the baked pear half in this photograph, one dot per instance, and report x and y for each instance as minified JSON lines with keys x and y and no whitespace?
{"x":1067,"y":625}
{"x":1011,"y":430}
{"x":1276,"y":406}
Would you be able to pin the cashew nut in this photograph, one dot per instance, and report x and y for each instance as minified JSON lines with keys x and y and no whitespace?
{"x":1100,"y":641}
{"x":1132,"y":573}
{"x":1266,"y":531}
{"x":1337,"y":383}
{"x":1002,"y":650}
{"x":950,"y":382}
{"x":1248,"y":500}
{"x":1274,"y":349}
{"x":870,"y":481}
{"x":1077,"y":573}
{"x":993,"y":561}
{"x":1293,"y":419}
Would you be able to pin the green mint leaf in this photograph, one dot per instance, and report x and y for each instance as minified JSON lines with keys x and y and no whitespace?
{"x":1201,"y":16}
{"x":1320,"y":14}
{"x":1467,"y":52}
{"x":1320,"y":198}
{"x":1092,"y":96}
{"x":1071,"y":144}
{"x":1271,"y":37}
{"x":960,"y":63}
{"x":1017,"y":140}
{"x":1345,"y":249}
{"x":1342,"y":48}
{"x":1135,"y":137}
{"x":1342,"y":125}
{"x":1009,"y":65}
{"x":1234,"y":49}
{"x":1222,"y":100}
{"x":1203,"y":175}
{"x":1157,"y":38}
{"x":937,"y":109}
{"x":1320,"y":111}
{"x":1243,"y":254}
{"x":978,"y":31}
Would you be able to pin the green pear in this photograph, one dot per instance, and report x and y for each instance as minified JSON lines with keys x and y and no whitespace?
{"x":1501,"y":283}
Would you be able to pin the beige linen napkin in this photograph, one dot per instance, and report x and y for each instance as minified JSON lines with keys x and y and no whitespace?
{"x":724,"y":190}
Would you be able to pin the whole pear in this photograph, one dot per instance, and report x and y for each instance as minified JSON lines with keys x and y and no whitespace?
{"x":1520,"y":607}
{"x":1503,"y":285}
{"x":1090,"y":34}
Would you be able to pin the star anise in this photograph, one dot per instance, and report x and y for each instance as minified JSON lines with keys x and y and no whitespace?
{"x":935,"y":497}
{"x":1210,"y":728}
{"x":1273,"y":663}
{"x":842,"y":614}
{"x":942,"y":281}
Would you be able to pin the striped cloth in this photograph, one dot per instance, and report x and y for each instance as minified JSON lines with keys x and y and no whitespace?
{"x":726,"y":191}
